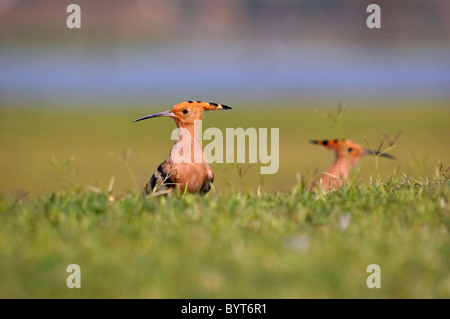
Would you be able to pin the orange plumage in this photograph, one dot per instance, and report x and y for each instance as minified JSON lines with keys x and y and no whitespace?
{"x":347,"y":156}
{"x":193,"y":173}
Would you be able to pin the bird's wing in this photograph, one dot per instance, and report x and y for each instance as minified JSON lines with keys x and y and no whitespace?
{"x":163,"y":181}
{"x":208,"y":182}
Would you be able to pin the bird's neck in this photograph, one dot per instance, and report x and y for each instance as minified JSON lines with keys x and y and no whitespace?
{"x":341,"y":167}
{"x":188,"y":145}
{"x":192,"y":130}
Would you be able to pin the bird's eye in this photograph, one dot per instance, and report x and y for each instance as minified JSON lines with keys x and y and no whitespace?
{"x":349,"y":149}
{"x":185,"y":111}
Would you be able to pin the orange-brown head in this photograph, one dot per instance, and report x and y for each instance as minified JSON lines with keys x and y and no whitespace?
{"x":185,"y":113}
{"x":348,"y":150}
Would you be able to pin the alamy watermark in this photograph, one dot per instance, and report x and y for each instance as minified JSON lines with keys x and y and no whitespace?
{"x":374,"y":280}
{"x":74,"y":19}
{"x":373,"y":20}
{"x":74,"y":279}
{"x":189,"y":148}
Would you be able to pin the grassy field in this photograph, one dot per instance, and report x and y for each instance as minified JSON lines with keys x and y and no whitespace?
{"x":96,"y":141}
{"x":71,"y":185}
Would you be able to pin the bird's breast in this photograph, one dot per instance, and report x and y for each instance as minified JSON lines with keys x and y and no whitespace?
{"x":192,"y":175}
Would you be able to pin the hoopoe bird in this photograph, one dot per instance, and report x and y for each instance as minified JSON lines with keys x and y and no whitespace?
{"x":348,"y":155}
{"x":185,"y":168}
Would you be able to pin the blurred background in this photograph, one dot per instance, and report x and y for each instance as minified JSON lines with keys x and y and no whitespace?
{"x":72,"y":93}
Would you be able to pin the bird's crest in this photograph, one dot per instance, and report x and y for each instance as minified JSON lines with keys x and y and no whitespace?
{"x":344,"y":146}
{"x":330,"y":143}
{"x":207,"y":105}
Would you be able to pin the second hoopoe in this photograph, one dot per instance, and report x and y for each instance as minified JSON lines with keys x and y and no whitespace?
{"x":192,"y":173}
{"x":348,"y":155}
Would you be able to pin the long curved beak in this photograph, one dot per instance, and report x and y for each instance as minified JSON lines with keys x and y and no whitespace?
{"x":160,"y":114}
{"x":377,"y":153}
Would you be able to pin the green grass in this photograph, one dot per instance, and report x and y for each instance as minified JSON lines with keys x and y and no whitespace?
{"x":70,"y":193}
{"x":232,"y":245}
